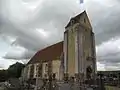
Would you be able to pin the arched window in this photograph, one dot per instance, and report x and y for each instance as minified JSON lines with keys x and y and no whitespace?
{"x":31,"y":71}
{"x":88,"y":72}
{"x":84,"y":20}
{"x":40,"y":70}
{"x":72,"y":22}
{"x":46,"y":68}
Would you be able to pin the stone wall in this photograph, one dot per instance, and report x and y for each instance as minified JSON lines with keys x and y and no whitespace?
{"x":56,"y":68}
{"x":71,"y":52}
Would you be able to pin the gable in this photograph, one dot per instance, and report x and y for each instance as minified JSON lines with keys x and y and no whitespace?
{"x":84,"y":20}
{"x":81,"y":19}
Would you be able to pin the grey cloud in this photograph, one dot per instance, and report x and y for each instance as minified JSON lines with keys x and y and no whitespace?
{"x":4,"y":63}
{"x":26,"y":55}
{"x":114,"y":66}
{"x":54,"y":22}
{"x":108,"y":54}
{"x":105,"y":21}
{"x":2,"y":66}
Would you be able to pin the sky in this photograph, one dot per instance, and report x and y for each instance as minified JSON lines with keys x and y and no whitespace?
{"x":27,"y":26}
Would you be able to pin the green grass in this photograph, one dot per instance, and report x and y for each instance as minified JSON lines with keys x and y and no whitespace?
{"x":112,"y":88}
{"x":1,"y":88}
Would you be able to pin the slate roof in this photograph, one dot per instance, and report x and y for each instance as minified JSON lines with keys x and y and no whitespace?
{"x":52,"y":52}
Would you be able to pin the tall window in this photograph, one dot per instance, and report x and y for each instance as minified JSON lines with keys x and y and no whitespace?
{"x":46,"y":68}
{"x":84,"y":20}
{"x":31,"y":71}
{"x":40,"y":70}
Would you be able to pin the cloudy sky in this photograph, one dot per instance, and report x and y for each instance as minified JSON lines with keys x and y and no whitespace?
{"x":27,"y":26}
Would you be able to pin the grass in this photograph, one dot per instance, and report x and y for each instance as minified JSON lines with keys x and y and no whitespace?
{"x":112,"y":88}
{"x":1,"y":88}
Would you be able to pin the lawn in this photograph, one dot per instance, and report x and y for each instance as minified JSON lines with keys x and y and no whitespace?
{"x":112,"y":88}
{"x":1,"y":88}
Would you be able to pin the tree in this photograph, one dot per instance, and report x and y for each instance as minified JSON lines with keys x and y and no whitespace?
{"x":3,"y":75}
{"x":15,"y":70}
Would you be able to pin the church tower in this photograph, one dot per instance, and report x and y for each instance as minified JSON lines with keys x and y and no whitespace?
{"x":79,"y":48}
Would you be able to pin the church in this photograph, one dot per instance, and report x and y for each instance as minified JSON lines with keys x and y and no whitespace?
{"x":75,"y":56}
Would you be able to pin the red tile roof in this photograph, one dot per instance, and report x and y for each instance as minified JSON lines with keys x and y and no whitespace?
{"x":50,"y":53}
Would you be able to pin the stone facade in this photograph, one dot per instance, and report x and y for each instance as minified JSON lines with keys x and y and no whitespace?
{"x":41,"y":70}
{"x":80,"y":56}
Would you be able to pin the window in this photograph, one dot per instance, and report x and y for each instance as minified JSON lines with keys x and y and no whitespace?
{"x":40,"y":70}
{"x":72,"y":22}
{"x":31,"y":71}
{"x":84,"y":20}
{"x":89,"y":72}
{"x":46,"y":68}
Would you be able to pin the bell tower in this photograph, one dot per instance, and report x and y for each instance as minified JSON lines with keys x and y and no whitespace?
{"x":79,"y":48}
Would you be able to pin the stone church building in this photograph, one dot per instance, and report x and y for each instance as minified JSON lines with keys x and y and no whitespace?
{"x":73,"y":57}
